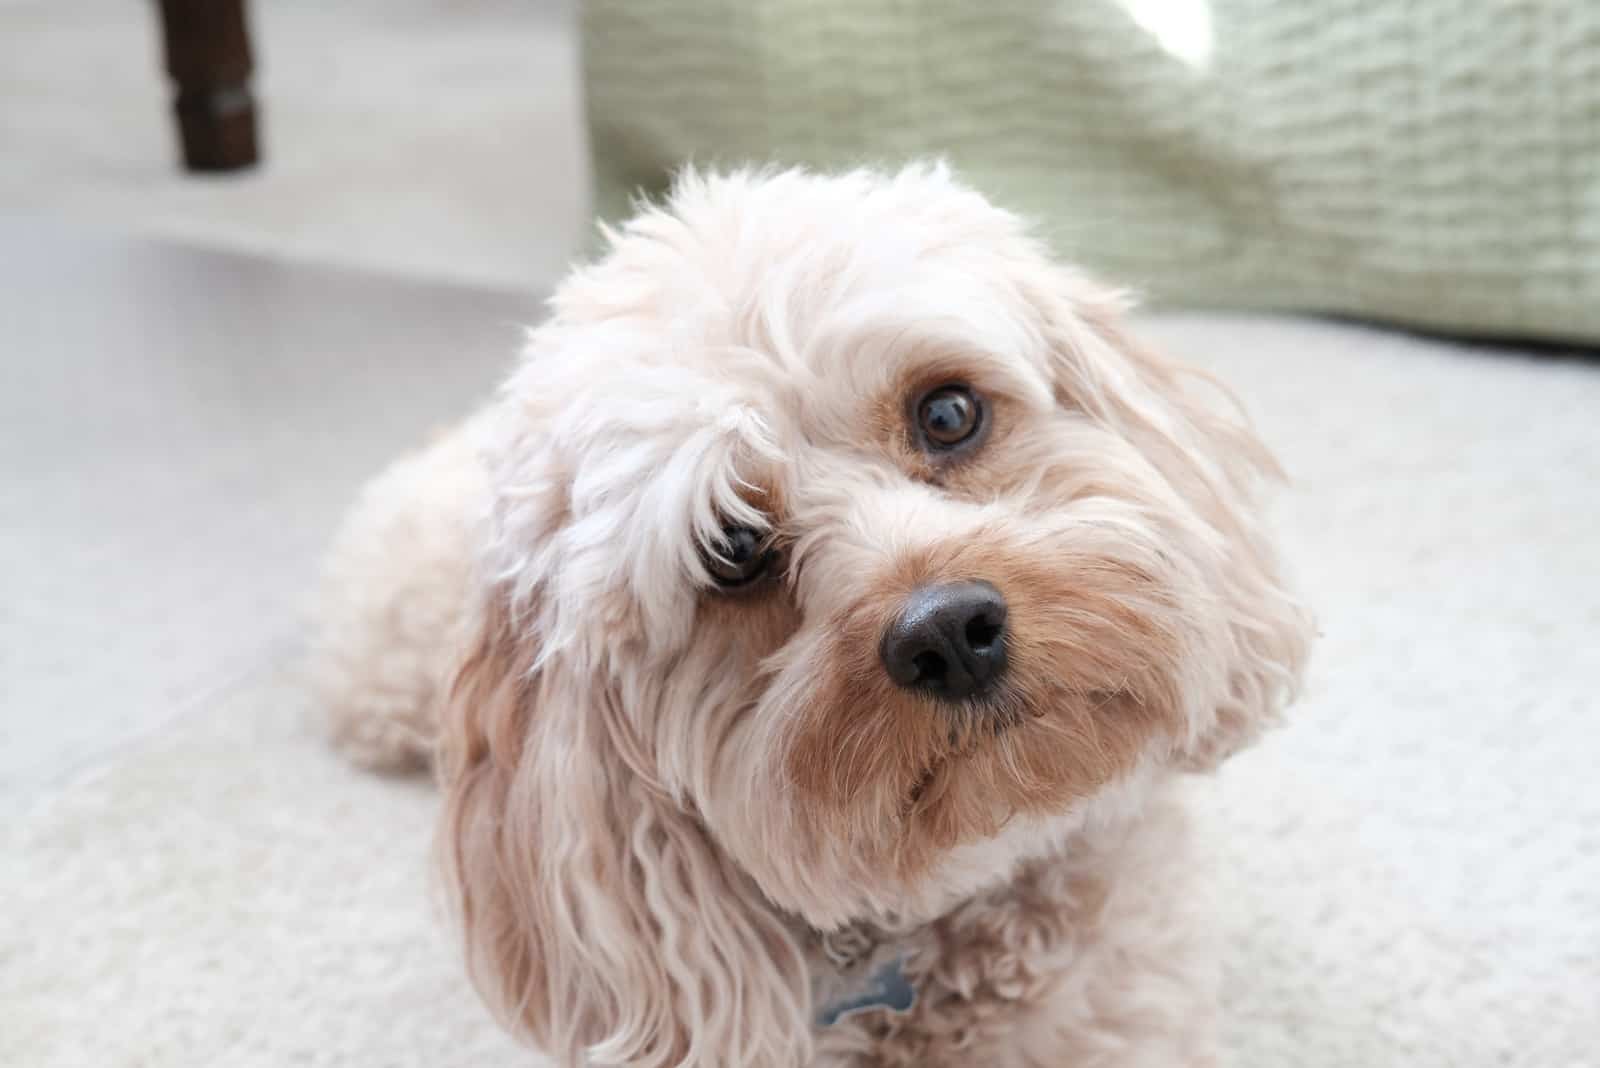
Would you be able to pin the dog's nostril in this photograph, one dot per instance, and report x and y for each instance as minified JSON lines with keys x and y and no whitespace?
{"x":930,"y":667}
{"x":982,"y":632}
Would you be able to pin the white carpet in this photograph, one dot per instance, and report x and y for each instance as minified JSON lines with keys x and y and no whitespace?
{"x":1412,"y":867}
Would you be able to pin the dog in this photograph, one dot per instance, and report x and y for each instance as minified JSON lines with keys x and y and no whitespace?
{"x":813,"y":638}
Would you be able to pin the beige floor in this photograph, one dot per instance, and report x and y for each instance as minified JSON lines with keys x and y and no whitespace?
{"x":436,"y":139}
{"x":179,"y":431}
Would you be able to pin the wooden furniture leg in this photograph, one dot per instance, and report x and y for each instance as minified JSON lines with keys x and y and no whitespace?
{"x":207,"y":45}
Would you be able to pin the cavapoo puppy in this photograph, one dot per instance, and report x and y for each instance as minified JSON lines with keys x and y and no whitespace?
{"x":812,"y":637}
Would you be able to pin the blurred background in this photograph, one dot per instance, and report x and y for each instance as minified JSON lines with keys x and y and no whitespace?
{"x":1402,"y":162}
{"x":440,"y":138}
{"x":252,"y":250}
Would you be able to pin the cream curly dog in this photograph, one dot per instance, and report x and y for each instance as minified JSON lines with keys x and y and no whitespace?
{"x":814,"y":633}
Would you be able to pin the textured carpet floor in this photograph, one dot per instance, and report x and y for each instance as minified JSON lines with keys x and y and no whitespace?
{"x":1412,"y":867}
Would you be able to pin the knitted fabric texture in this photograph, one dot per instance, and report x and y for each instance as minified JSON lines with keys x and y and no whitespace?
{"x":1429,"y":163}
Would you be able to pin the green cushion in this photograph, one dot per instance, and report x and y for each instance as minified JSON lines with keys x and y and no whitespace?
{"x":1427,"y":162}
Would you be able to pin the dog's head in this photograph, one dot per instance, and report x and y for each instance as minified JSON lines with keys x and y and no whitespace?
{"x":845,"y":554}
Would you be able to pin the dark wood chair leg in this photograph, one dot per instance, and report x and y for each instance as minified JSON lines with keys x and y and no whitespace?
{"x":208,"y":55}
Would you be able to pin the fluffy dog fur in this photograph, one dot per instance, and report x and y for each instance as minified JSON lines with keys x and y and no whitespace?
{"x":676,"y":818}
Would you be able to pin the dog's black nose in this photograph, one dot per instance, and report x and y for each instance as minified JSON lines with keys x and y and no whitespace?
{"x":949,"y":640}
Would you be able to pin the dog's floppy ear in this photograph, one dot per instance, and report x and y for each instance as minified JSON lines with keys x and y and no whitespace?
{"x":600,"y":920}
{"x":1192,"y":431}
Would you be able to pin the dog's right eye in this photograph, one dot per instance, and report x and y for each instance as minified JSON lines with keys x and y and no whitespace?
{"x":741,"y":557}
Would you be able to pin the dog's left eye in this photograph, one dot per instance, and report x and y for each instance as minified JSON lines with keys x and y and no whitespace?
{"x":948,"y":418}
{"x":740,"y":558}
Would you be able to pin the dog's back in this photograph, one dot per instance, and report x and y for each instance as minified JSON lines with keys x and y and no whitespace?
{"x":393,"y":595}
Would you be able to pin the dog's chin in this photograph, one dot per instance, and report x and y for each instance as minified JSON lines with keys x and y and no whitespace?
{"x":970,"y":729}
{"x":912,"y":807}
{"x":924,"y":778}
{"x":981,"y":776}
{"x":955,"y":874}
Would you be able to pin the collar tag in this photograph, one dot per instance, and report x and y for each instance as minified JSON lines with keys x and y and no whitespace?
{"x":886,"y":988}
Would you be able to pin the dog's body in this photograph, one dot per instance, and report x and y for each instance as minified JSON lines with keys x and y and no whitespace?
{"x":835,"y":592}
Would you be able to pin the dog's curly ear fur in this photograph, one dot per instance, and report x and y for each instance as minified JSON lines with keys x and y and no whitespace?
{"x":1210,"y":456}
{"x":599,"y":918}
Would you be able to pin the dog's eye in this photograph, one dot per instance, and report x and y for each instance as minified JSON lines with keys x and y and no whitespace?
{"x":948,"y":416}
{"x":741,"y":557}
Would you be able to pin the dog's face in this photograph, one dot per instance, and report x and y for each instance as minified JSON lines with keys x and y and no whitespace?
{"x":838,"y":530}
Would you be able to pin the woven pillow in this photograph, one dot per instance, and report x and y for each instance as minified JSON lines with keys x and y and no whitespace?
{"x":1428,"y":162}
